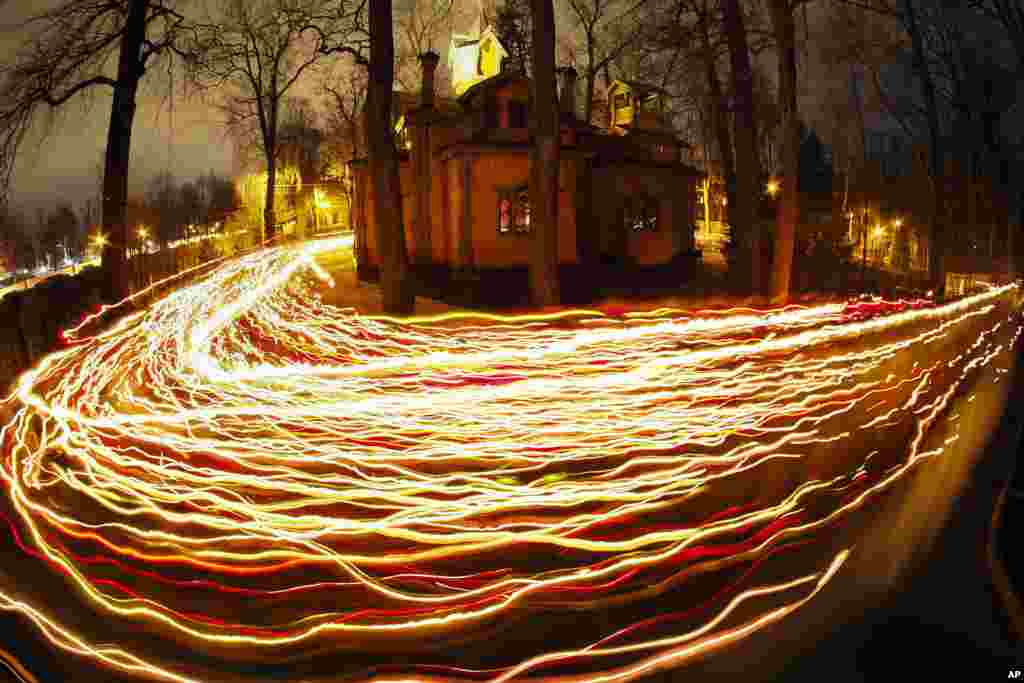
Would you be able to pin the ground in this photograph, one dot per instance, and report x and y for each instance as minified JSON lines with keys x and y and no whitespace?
{"x":241,"y":461}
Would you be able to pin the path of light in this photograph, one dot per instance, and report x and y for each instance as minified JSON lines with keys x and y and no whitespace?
{"x":247,"y":468}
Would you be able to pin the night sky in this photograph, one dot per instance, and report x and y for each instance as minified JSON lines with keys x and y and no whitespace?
{"x":65,"y":165}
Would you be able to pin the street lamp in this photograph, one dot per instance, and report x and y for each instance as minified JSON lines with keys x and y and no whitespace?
{"x":772,"y":188}
{"x":879,"y":232}
{"x":320,"y":202}
{"x":99,"y":240}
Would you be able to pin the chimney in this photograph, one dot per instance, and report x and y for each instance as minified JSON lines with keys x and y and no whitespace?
{"x":568,"y":94}
{"x":428,"y":62}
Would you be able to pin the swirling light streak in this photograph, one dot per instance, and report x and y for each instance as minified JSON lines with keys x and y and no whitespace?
{"x":381,"y":482}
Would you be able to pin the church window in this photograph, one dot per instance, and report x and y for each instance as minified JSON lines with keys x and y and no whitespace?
{"x":514,"y":211}
{"x":641,"y":214}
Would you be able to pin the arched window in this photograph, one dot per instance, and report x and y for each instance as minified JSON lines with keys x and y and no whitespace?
{"x":641,"y":213}
{"x":514,"y":210}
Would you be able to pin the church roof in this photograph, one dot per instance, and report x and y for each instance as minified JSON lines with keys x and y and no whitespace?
{"x":639,"y":87}
{"x":492,"y":83}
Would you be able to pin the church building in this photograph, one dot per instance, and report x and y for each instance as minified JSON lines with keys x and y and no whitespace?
{"x":626,"y":201}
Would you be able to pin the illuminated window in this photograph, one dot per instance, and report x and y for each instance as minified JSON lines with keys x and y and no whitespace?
{"x":641,"y":214}
{"x":622,"y":100}
{"x":514,"y":211}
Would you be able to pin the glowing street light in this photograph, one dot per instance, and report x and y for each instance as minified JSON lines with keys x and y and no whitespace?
{"x":772,"y":188}
{"x":898,"y":223}
{"x":320,"y":200}
{"x":100,"y":240}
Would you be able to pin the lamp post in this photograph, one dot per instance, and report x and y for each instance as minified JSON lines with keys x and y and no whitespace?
{"x":319,"y":202}
{"x":99,"y":240}
{"x":707,"y":207}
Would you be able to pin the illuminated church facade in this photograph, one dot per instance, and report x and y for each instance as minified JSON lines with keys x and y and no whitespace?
{"x":625,"y":198}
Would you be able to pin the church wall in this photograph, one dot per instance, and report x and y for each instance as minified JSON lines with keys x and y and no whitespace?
{"x":493,"y":171}
{"x":366,"y":211}
{"x":653,"y":247}
{"x":439,"y":211}
{"x":407,"y":180}
{"x":673,"y":190}
{"x":455,"y":257}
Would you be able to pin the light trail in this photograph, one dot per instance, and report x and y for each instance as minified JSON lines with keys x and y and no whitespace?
{"x":250,"y":471}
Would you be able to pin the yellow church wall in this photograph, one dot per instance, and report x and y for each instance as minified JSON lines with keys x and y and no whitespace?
{"x":490,"y":58}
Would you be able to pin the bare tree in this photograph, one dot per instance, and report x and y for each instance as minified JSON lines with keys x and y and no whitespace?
{"x":257,"y":52}
{"x":17,"y":248}
{"x":544,"y":158}
{"x":937,"y":252}
{"x":163,"y":199}
{"x":743,"y":216}
{"x":1010,"y":15}
{"x":58,"y":234}
{"x":716,"y":99}
{"x":347,"y":97}
{"x":935,"y":50}
{"x":345,"y":134}
{"x":608,"y":28}
{"x":70,"y":49}
{"x":399,"y":298}
{"x":789,"y":205}
{"x":422,"y":26}
{"x":513,"y":25}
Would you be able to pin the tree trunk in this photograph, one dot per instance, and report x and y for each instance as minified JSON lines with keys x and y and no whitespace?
{"x":748,"y":172}
{"x":544,"y":160}
{"x":789,"y":205}
{"x":269,"y":214}
{"x":398,"y":296}
{"x":937,"y":247}
{"x":118,"y":154}
{"x":591,"y":77}
{"x":721,"y":123}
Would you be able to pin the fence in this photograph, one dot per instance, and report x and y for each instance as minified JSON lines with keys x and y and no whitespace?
{"x":35,"y":317}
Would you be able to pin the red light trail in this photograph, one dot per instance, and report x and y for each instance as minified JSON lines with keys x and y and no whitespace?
{"x":244,"y":468}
